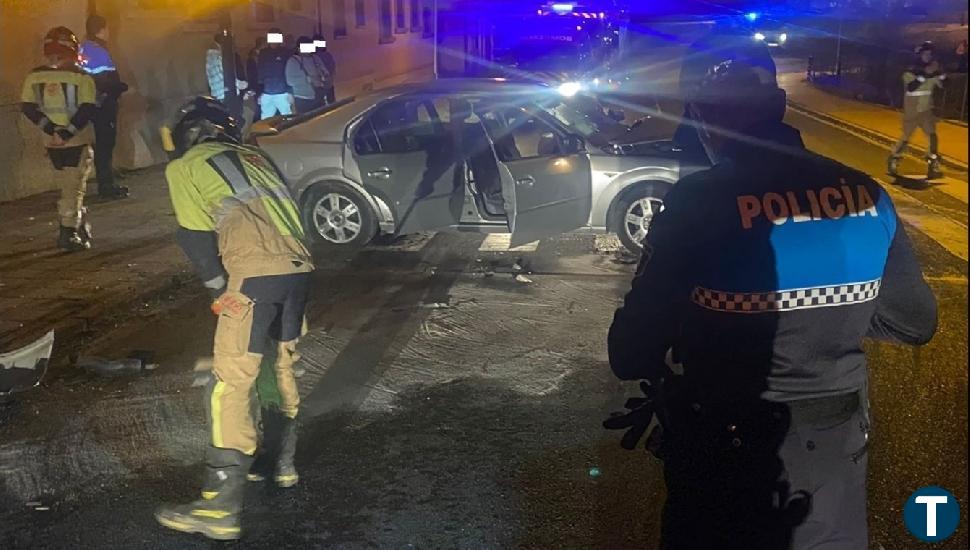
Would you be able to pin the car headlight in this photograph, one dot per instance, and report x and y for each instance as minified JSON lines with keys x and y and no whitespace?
{"x":759,"y":37}
{"x":569,"y":89}
{"x":782,"y":37}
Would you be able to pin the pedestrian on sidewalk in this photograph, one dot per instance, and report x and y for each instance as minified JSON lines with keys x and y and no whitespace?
{"x":96,"y":61}
{"x":215,"y":74}
{"x":60,"y":99}
{"x":323,"y":52}
{"x":919,"y":83}
{"x":305,"y":75}
{"x":271,"y":69}
{"x":241,"y":230}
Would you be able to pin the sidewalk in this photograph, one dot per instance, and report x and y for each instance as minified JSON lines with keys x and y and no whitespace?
{"x":878,"y":122}
{"x":134,"y":257}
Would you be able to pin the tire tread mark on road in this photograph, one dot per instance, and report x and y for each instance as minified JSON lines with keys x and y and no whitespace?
{"x":346,"y":383}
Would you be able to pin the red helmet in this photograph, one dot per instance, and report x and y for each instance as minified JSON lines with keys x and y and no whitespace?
{"x":61,"y":42}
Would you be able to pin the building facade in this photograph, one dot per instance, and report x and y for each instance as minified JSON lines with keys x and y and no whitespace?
{"x":159,"y":47}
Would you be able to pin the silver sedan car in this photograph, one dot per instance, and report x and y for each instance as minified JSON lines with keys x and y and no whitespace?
{"x":481,"y":155}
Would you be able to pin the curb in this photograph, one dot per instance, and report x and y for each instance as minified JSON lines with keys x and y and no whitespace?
{"x":880,"y":138}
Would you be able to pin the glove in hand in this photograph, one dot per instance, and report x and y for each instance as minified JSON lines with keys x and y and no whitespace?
{"x":637,"y":418}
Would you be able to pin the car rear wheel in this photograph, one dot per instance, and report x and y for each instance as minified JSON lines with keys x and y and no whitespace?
{"x":634,"y":212}
{"x":337,"y":215}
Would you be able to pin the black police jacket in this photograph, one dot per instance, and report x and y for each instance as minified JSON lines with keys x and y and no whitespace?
{"x":766,"y":272}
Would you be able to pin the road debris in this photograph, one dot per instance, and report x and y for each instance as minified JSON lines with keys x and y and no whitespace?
{"x":520,"y":278}
{"x":23,"y":368}
{"x":101,"y":365}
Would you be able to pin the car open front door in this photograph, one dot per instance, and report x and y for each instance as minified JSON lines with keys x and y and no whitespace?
{"x":405,"y":157}
{"x":546,"y":175}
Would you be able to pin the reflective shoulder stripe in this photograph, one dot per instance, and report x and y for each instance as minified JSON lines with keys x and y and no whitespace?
{"x":229,"y":167}
{"x":919,"y":93}
{"x":70,"y":98}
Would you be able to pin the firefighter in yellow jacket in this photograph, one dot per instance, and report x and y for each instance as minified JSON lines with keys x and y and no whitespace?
{"x":60,"y":99}
{"x":241,"y":230}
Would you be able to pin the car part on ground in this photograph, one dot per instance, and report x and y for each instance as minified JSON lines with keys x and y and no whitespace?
{"x":22,"y":369}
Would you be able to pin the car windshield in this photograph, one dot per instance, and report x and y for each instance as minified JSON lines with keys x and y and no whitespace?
{"x":587,"y":117}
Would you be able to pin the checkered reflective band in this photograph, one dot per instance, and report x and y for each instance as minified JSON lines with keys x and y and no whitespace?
{"x":786,"y":300}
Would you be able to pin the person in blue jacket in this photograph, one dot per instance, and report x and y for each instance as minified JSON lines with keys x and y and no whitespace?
{"x":96,"y":61}
{"x":758,"y":283}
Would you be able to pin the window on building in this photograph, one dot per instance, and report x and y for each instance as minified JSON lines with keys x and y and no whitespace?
{"x":415,"y":15}
{"x":360,"y":13}
{"x":427,"y":15}
{"x":339,"y":18}
{"x":386,"y":21}
{"x":400,"y":17}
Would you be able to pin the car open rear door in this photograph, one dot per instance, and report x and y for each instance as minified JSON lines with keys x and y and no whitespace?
{"x":546,"y":176}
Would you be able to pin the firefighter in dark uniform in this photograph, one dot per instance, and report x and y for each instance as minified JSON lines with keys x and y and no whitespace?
{"x":241,"y":229}
{"x":60,"y":99}
{"x":763,"y":274}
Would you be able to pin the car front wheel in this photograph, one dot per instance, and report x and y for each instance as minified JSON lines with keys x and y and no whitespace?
{"x":338,"y":215}
{"x":634,"y":212}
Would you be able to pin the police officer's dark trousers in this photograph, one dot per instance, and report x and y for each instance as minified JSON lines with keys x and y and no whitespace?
{"x":771,"y":476}
{"x":105,"y":138}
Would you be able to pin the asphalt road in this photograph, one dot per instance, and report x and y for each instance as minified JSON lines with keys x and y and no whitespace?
{"x":448,"y":405}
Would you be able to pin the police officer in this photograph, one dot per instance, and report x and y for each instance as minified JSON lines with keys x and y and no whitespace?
{"x":241,"y":230}
{"x":919,"y":83}
{"x":60,"y":99}
{"x":763,"y":274}
{"x":97,"y":62}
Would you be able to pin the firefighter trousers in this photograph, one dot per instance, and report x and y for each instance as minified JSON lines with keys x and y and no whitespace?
{"x":262,"y":319}
{"x":72,"y":167}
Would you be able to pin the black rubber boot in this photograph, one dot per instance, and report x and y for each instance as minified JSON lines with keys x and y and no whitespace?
{"x":286,"y":474}
{"x":217,"y":514}
{"x":69,"y":240}
{"x":893,"y":165}
{"x":271,"y":422}
{"x":933,"y":170}
{"x":275,"y":456}
{"x":113,"y":193}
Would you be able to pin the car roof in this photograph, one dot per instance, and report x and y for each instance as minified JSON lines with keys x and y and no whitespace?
{"x":461,"y":85}
{"x":328,"y":124}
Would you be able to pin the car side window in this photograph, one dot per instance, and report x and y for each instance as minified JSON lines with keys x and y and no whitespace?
{"x":399,"y":126}
{"x":520,"y":134}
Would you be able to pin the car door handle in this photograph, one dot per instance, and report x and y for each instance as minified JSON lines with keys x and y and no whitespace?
{"x":381,"y":173}
{"x":527,"y":181}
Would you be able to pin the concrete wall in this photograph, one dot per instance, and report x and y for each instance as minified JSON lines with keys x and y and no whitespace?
{"x":159,"y":47}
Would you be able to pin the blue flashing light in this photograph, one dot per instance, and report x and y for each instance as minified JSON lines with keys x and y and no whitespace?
{"x":752,"y":16}
{"x":562,"y":8}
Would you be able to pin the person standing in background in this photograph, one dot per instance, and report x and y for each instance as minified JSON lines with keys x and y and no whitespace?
{"x":59,"y":98}
{"x":331,"y":65}
{"x":919,"y":83}
{"x":97,"y":62}
{"x":271,"y":69}
{"x":305,"y":76}
{"x":215,"y":75}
